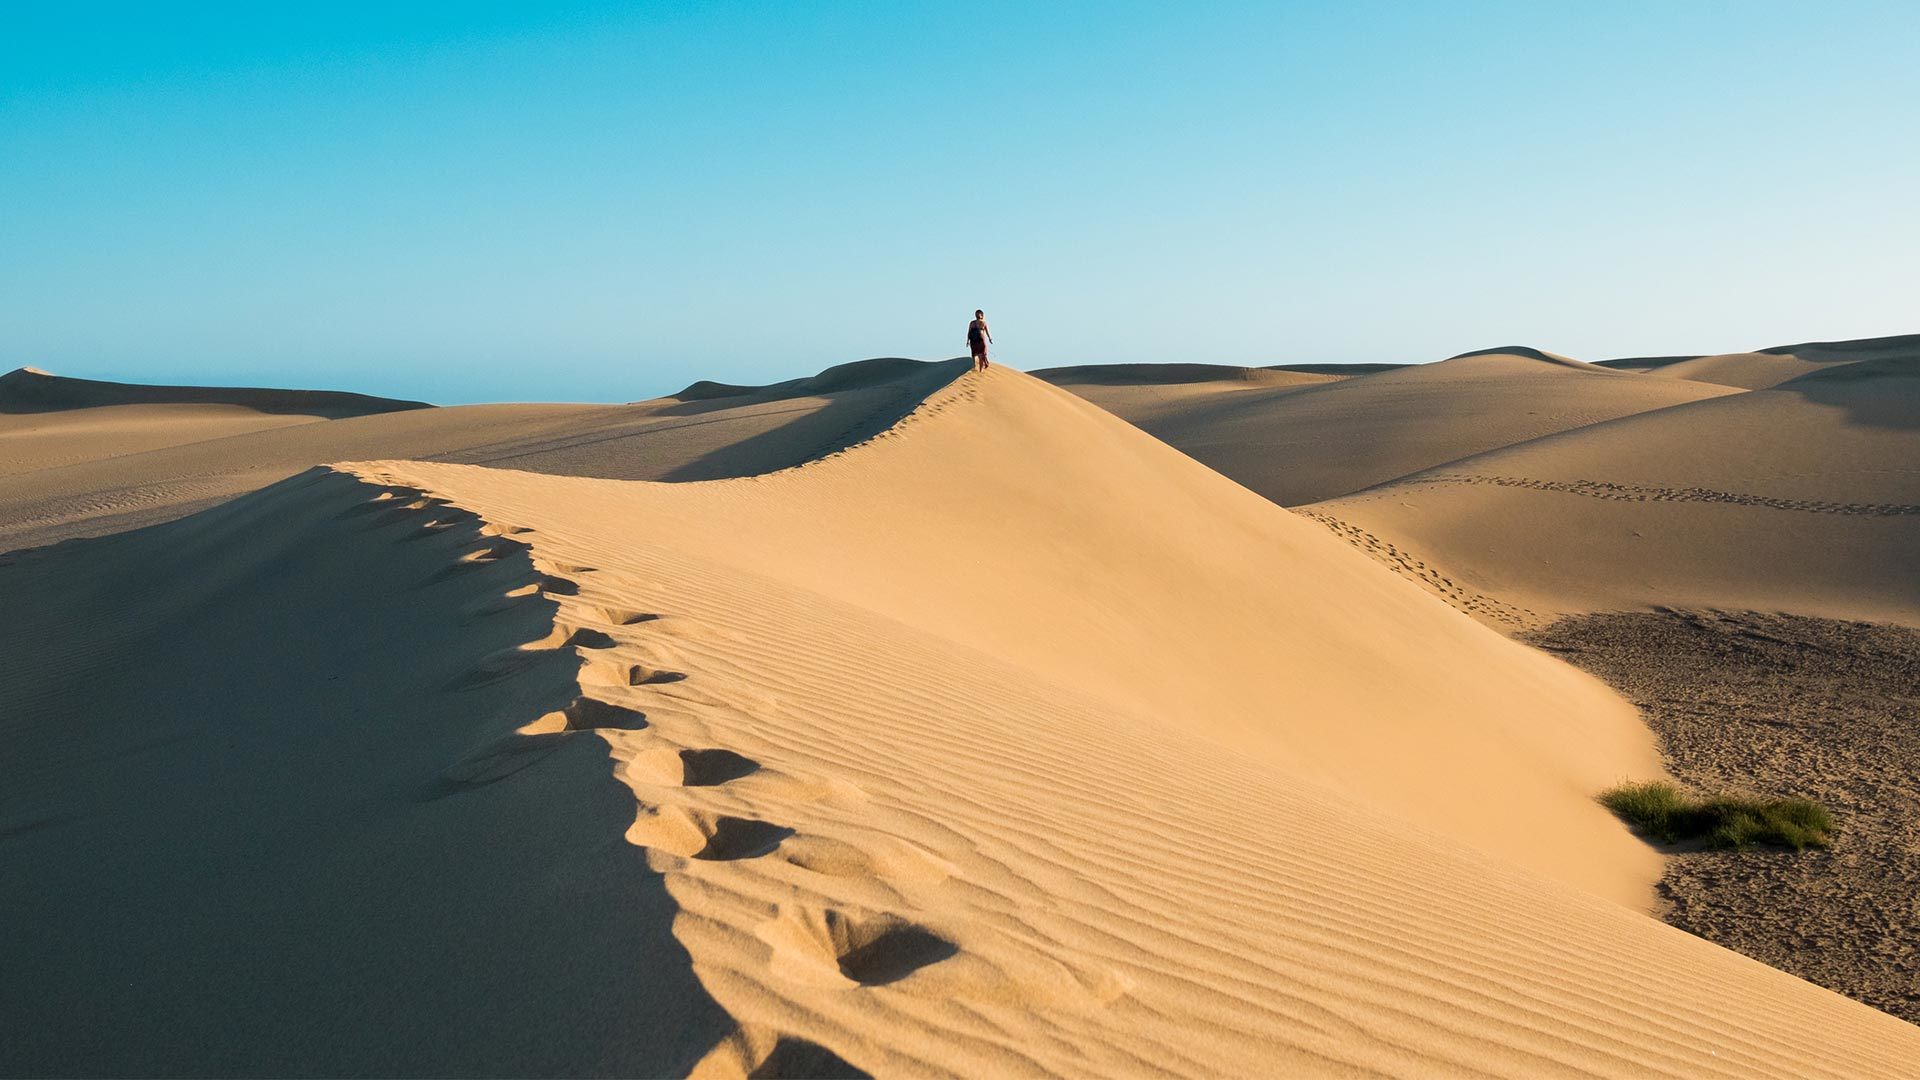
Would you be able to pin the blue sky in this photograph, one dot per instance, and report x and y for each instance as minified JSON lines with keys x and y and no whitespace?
{"x":479,"y":201}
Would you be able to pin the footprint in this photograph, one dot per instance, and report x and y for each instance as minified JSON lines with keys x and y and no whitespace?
{"x":689,"y":768}
{"x":741,"y":838}
{"x":587,"y":714}
{"x":479,"y":558}
{"x":564,"y":636}
{"x":553,"y":567}
{"x":619,"y":673}
{"x":705,"y":768}
{"x":887,"y":858}
{"x":841,"y":948}
{"x":711,"y":837}
{"x":613,"y":616}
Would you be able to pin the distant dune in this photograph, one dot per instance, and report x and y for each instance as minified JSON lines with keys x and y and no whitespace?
{"x":1641,"y":363}
{"x":1298,"y":444}
{"x":29,"y":390}
{"x":1173,"y":374}
{"x":858,"y":375}
{"x":1005,"y":741}
{"x":1802,"y":496}
{"x":90,"y":470}
{"x":1769,"y":367}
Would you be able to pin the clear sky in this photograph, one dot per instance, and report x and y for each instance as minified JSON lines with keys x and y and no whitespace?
{"x":489,"y":201}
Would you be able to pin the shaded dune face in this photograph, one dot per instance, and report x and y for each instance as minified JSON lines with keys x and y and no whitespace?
{"x":268,"y":811}
{"x":1005,"y":741}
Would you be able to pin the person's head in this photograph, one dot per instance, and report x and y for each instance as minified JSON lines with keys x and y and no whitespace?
{"x":978,"y":314}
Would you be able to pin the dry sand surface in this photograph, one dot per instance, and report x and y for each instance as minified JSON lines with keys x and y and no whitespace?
{"x":1007,"y":741}
{"x":104,"y":466}
{"x":1771,"y":367}
{"x":1803,"y":497}
{"x":1662,"y":550}
{"x":1299,"y":443}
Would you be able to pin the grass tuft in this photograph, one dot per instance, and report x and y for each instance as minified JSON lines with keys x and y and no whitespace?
{"x":1661,"y":810}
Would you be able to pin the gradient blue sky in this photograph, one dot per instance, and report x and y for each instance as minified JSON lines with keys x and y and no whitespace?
{"x":481,"y":201}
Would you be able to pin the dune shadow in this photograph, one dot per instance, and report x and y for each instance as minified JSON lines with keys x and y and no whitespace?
{"x":333,"y":854}
{"x":854,"y":411}
{"x":1881,"y":393}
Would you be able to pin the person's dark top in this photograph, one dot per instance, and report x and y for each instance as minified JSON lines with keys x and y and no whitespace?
{"x":977,"y":334}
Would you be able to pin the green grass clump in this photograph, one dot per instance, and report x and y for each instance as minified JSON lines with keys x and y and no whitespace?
{"x":1724,"y":821}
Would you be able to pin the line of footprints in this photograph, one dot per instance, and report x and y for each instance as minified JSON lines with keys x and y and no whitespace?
{"x":825,"y":946}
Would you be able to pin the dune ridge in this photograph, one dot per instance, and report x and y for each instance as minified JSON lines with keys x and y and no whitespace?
{"x":850,"y":872}
{"x":770,"y":774}
{"x":762,"y":774}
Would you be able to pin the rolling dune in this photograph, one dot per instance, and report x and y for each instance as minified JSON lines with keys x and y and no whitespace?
{"x":1007,"y":741}
{"x":94,"y":470}
{"x":1804,"y":497}
{"x":1304,"y":444}
{"x":1771,"y":367}
{"x":1144,"y":393}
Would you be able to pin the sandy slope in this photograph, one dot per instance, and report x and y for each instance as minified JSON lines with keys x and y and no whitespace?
{"x":47,"y":421}
{"x":94,"y":470}
{"x":1804,"y":498}
{"x":1010,"y":742}
{"x":1143,"y":393}
{"x":48,"y":440}
{"x":1299,"y":445}
{"x":29,"y":390}
{"x":1771,"y":367}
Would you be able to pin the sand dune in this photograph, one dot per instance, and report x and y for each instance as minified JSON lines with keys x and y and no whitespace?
{"x":1771,"y":367}
{"x":169,"y":460}
{"x":1143,"y":393}
{"x":1007,"y":742}
{"x":26,"y":390}
{"x":47,"y":421}
{"x":1804,"y":498}
{"x":1299,"y":445}
{"x":1176,"y":374}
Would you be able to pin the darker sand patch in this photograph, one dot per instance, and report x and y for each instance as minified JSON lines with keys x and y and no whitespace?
{"x":1819,"y":708}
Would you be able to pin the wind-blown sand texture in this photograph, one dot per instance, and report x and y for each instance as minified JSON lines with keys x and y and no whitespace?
{"x":1007,"y":741}
{"x":1643,"y":546}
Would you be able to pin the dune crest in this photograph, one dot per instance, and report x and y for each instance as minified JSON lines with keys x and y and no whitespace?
{"x":103,"y":469}
{"x":921,"y":799}
{"x":772,"y":774}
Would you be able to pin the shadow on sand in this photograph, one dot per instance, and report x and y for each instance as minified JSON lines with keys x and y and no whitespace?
{"x":261,"y":816}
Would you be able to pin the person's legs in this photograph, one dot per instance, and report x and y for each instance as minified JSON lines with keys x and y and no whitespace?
{"x":980,"y":360}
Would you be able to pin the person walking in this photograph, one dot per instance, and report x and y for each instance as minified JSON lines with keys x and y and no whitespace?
{"x":978,"y":336}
